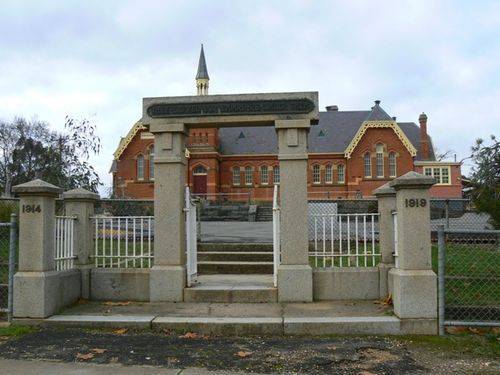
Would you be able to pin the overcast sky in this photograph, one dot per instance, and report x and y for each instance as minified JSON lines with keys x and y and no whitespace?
{"x":99,"y":58}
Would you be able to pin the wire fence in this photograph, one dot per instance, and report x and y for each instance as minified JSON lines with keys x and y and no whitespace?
{"x":468,"y":266}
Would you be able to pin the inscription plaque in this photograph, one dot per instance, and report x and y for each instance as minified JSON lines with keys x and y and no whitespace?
{"x":246,"y":107}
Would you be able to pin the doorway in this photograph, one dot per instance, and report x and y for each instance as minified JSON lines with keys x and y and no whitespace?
{"x":200,"y":180}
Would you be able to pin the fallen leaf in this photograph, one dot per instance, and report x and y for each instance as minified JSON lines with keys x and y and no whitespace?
{"x":189,"y":335}
{"x":98,"y":350}
{"x":84,"y":357}
{"x":120,"y":331}
{"x":120,"y":303}
{"x":243,"y":354}
{"x":82,"y":301}
{"x":107,"y":311}
{"x":113,"y":360}
{"x":332,"y":347}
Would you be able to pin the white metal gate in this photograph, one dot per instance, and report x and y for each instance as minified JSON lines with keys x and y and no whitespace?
{"x":276,"y":235}
{"x":395,"y":226}
{"x":191,"y":239}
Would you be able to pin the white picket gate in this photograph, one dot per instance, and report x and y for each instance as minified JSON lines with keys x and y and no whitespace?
{"x":395,"y":226}
{"x":191,"y":239}
{"x":64,"y":247}
{"x":276,"y":235}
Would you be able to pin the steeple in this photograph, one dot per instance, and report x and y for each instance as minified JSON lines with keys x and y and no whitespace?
{"x":202,"y":77}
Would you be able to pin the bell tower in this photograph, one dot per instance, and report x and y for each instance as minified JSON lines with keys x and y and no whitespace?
{"x":202,"y":78}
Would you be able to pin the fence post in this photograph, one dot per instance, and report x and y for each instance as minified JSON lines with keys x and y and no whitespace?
{"x":12,"y":263}
{"x":36,"y":284}
{"x":295,"y":279}
{"x":386,"y":197}
{"x":414,"y":281}
{"x":441,"y":278}
{"x":80,"y":203}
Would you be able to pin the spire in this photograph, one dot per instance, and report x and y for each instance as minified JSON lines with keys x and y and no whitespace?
{"x":202,"y":77}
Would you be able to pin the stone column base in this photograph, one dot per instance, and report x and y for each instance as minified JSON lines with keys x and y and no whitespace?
{"x":85,"y":271}
{"x":295,"y":283}
{"x":385,"y":287}
{"x":166,"y":283}
{"x":36,"y":294}
{"x":415,"y":293}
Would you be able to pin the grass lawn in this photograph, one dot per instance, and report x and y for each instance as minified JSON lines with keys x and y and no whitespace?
{"x":123,"y":253}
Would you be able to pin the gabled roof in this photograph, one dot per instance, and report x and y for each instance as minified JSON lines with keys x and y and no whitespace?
{"x":124,"y":141}
{"x":202,"y":66}
{"x":378,"y":114}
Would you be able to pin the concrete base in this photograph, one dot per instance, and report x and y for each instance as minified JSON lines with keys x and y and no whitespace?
{"x":166,"y":283}
{"x":364,"y":325}
{"x":415,"y":293}
{"x":295,"y":283}
{"x":346,"y":283}
{"x":419,"y":326}
{"x":112,"y":321}
{"x":383,"y":283}
{"x":118,"y":284}
{"x":42,"y":294}
{"x":86,"y":281}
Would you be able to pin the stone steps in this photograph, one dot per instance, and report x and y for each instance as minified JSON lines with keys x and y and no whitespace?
{"x":236,"y":295}
{"x":234,"y":267}
{"x":235,"y":256}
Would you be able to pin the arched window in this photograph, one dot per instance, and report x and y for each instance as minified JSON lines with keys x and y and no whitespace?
{"x":329,"y":174}
{"x":340,"y":174}
{"x":316,"y":174}
{"x":264,"y":175}
{"x":236,"y":176}
{"x":380,"y":160}
{"x":276,"y":175}
{"x":248,"y":175}
{"x":368,"y":164}
{"x":140,"y":167}
{"x":393,"y":172}
{"x":200,"y":170}
{"x":152,"y":163}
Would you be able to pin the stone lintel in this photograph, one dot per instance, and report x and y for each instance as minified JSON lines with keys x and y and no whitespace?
{"x":412,"y":180}
{"x":37,"y":187}
{"x":292,"y":157}
{"x":159,"y":126}
{"x":81,"y":195}
{"x":385,"y":191}
{"x":292,"y":124}
{"x":170,"y":160}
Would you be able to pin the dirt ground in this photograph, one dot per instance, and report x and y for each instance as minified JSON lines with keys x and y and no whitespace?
{"x":302,"y":355}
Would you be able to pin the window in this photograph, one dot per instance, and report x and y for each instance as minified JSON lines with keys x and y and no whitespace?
{"x":200,"y":170}
{"x":264,"y":175}
{"x":441,"y":174}
{"x":140,"y":167}
{"x":380,"y":160}
{"x":340,"y":173}
{"x":248,"y":176}
{"x":329,"y":174}
{"x":316,"y":174}
{"x":276,"y":175}
{"x":368,"y":165}
{"x":392,"y":164}
{"x":152,"y":163}
{"x":236,"y":175}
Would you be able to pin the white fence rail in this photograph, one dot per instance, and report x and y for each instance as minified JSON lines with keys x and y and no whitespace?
{"x":344,"y":240}
{"x":123,"y":241}
{"x":191,"y":240}
{"x":64,"y":256}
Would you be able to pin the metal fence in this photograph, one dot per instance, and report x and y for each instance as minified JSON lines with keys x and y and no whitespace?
{"x":123,"y":241}
{"x":345,"y":240}
{"x":64,"y":255}
{"x":8,"y":263}
{"x":468,"y":267}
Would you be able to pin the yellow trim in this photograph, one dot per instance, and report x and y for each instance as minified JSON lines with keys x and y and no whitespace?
{"x":125,"y":141}
{"x":379,"y":124}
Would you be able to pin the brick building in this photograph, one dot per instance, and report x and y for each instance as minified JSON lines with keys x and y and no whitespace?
{"x":351,"y":153}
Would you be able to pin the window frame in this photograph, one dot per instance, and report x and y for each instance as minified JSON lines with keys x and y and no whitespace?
{"x":316,"y":172}
{"x":339,"y":168}
{"x":139,"y":167}
{"x":248,"y":176}
{"x":329,"y":174}
{"x":236,"y":176}
{"x":393,"y":164}
{"x":439,"y":178}
{"x":264,"y":181}
{"x":379,"y":160}
{"x":276,"y":176}
{"x":151,"y":163}
{"x":367,"y":165}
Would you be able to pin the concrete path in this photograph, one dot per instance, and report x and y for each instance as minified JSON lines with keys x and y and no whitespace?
{"x":10,"y":366}
{"x":236,"y":231}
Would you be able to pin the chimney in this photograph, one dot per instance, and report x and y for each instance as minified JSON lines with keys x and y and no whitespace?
{"x":424,"y":138}
{"x":332,"y":108}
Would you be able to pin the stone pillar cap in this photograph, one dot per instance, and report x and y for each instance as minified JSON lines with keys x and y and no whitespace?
{"x":412,"y":180}
{"x":384,"y":190}
{"x":81,"y":194}
{"x":37,"y":187}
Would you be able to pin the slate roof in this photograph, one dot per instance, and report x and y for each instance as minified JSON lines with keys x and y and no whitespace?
{"x":332,"y":134}
{"x":202,"y":66}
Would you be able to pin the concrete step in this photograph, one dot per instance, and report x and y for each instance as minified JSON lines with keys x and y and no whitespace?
{"x":235,"y":247}
{"x":234,"y":267}
{"x":231,"y":295}
{"x":235,"y":256}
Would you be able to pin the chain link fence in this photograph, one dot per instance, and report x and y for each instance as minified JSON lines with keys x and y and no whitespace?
{"x":457,"y":214}
{"x":468,"y":267}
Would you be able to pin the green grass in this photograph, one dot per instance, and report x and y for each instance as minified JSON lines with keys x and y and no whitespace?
{"x":16,"y":331}
{"x":344,"y":261}
{"x":116,"y":248}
